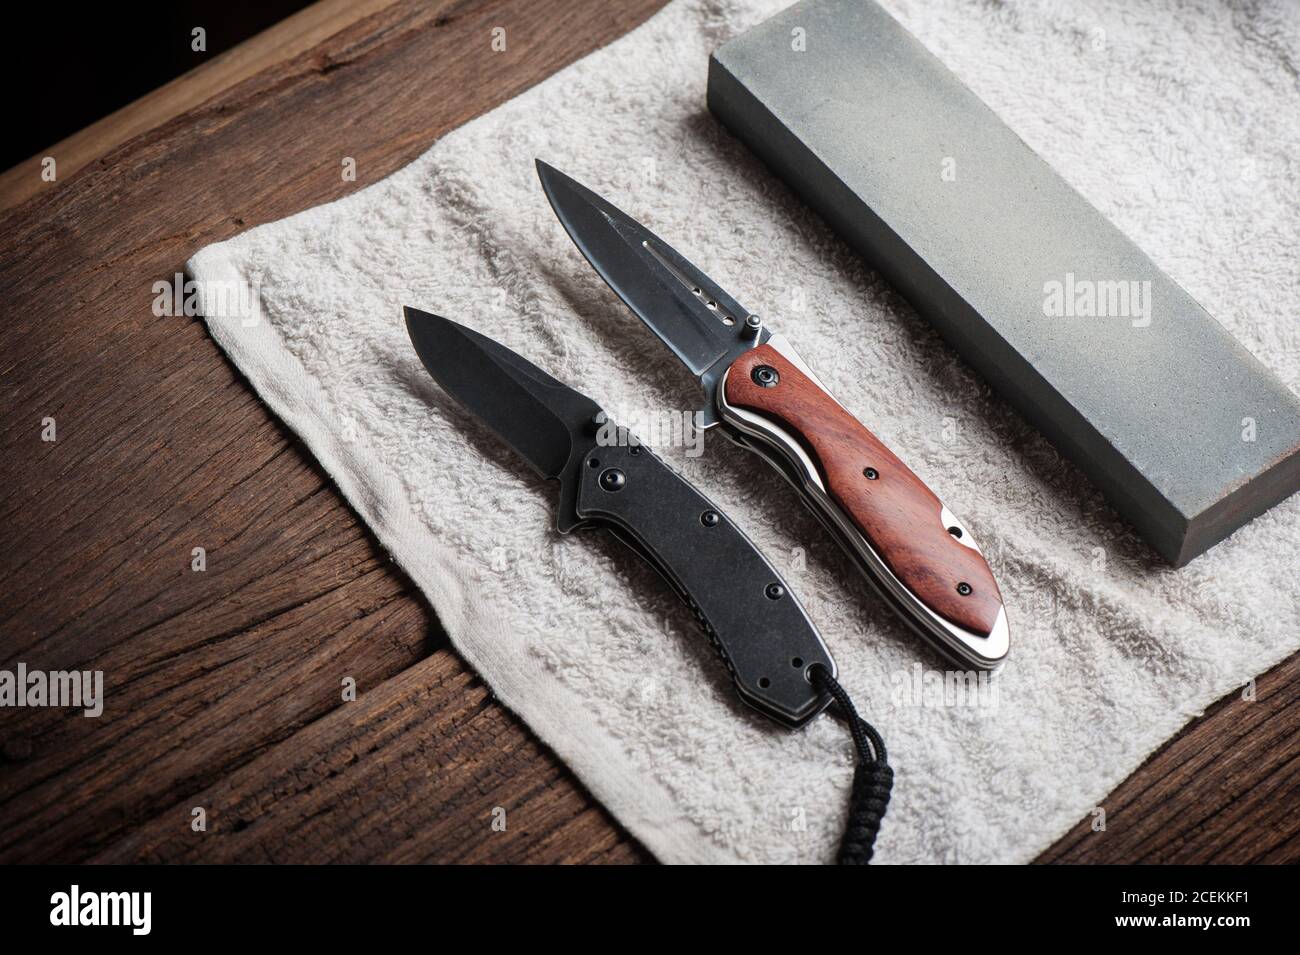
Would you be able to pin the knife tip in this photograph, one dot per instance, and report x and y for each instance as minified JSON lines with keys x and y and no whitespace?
{"x":546,"y":174}
{"x":415,"y":316}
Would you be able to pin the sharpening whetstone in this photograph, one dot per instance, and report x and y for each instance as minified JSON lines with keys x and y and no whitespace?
{"x":1186,"y":433}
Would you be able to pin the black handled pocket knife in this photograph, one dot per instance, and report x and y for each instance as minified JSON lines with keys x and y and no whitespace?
{"x":762,"y":633}
{"x":922,"y":559}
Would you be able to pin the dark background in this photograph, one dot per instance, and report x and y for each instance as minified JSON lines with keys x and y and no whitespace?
{"x":82,"y":63}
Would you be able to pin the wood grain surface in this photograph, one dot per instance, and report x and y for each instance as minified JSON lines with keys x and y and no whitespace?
{"x":288,"y":38}
{"x":223,"y":685}
{"x":892,"y":507}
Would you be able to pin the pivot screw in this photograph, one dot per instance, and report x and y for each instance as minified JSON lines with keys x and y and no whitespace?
{"x":765,"y":376}
{"x":774,"y":591}
{"x":612,"y":479}
{"x":710,"y":518}
{"x":870,"y":473}
{"x":963,"y":588}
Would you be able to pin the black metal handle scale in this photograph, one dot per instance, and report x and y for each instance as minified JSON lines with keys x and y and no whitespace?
{"x":767,"y":641}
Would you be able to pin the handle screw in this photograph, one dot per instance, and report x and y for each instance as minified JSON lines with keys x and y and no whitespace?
{"x":612,"y":479}
{"x":774,"y":591}
{"x":963,"y":588}
{"x":870,"y":473}
{"x":765,"y":376}
{"x":709,"y":518}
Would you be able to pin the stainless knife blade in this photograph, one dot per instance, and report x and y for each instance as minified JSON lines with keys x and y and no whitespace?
{"x":702,"y":325}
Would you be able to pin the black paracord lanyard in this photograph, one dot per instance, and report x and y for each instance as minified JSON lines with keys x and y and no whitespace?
{"x":872,"y":778}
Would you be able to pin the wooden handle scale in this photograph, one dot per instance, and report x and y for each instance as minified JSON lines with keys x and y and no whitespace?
{"x":901,"y":520}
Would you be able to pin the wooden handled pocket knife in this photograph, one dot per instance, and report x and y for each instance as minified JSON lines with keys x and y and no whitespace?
{"x":922,"y":559}
{"x":767,"y":642}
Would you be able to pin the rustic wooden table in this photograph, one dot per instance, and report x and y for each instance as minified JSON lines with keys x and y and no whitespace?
{"x":222,"y":686}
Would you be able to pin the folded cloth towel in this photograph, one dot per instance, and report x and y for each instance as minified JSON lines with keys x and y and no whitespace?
{"x":1177,"y":121}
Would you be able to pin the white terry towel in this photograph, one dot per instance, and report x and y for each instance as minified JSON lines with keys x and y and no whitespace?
{"x":1177,"y":121}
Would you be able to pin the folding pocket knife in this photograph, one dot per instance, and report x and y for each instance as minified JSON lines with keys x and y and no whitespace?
{"x":608,"y":479}
{"x":922,"y":559}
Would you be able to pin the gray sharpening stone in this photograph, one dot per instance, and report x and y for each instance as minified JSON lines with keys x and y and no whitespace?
{"x":1184,"y":431}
